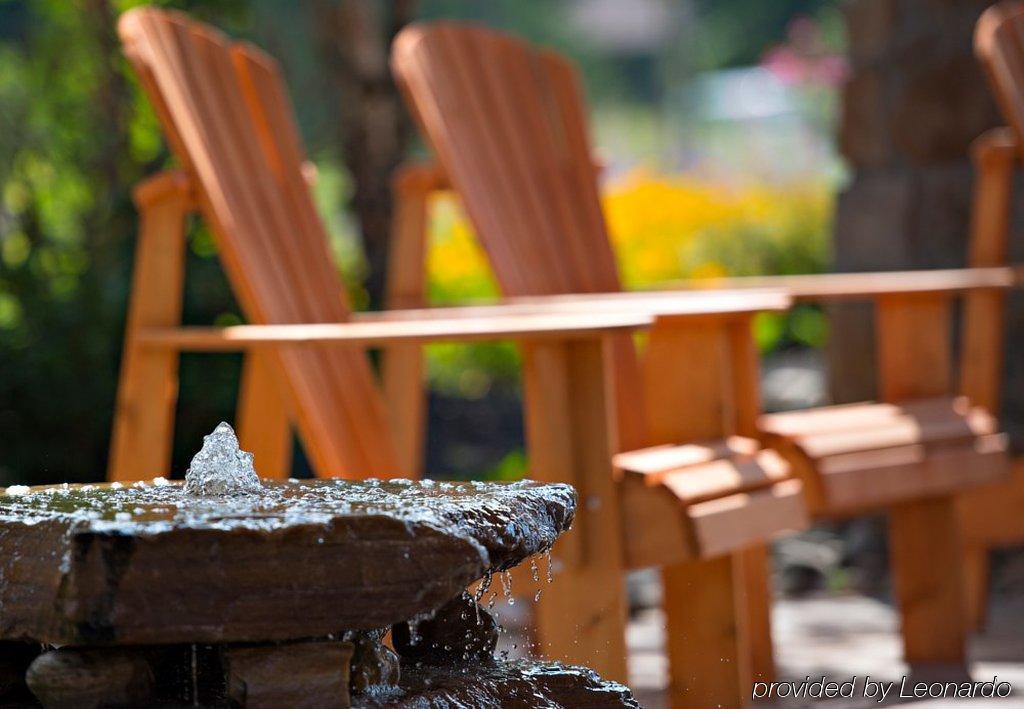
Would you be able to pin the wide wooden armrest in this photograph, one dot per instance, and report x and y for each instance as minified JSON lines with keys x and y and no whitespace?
{"x":549,"y":317}
{"x":666,"y":304}
{"x":866,"y":286}
{"x":379,"y":333}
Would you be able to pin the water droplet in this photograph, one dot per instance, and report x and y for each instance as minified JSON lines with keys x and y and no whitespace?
{"x":506,"y":584}
{"x":536,"y":596}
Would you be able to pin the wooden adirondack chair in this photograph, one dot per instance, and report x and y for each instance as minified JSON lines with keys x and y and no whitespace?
{"x":506,"y":122}
{"x":224,"y":111}
{"x":993,"y":516}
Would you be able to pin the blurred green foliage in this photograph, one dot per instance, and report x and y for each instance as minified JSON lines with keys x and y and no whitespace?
{"x":75,"y":137}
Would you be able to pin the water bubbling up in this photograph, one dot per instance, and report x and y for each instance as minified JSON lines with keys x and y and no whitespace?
{"x":221,"y":467}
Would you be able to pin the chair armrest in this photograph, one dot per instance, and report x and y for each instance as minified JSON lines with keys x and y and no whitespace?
{"x":685,"y":303}
{"x":383,"y":332}
{"x":867,"y":286}
{"x":528,"y":319}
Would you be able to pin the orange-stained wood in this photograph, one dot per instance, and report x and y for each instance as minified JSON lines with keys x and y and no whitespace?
{"x":228,"y":121}
{"x":584,"y":618}
{"x":402,"y":368}
{"x":507,"y":123}
{"x":915,"y":360}
{"x":995,"y":155}
{"x":148,"y":387}
{"x":656,"y":461}
{"x":992,"y":516}
{"x":387,"y":332}
{"x":819,"y":287}
{"x":264,"y":427}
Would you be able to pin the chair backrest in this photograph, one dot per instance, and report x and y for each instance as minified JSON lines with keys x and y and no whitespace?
{"x":506,"y":121}
{"x":508,"y":125}
{"x":999,"y":45}
{"x":224,"y":109}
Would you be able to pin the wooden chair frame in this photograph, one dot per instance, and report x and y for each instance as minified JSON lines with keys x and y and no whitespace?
{"x":931,"y":596}
{"x":990,"y":517}
{"x":993,"y":517}
{"x":523,"y":180}
{"x":910,"y":367}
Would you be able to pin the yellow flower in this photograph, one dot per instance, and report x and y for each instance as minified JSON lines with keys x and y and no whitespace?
{"x":665,"y":228}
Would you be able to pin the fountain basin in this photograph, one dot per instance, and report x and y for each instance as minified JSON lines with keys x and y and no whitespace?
{"x":144,"y":564}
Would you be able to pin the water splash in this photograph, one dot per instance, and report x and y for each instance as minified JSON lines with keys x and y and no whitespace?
{"x":221,"y":467}
{"x":506,"y":587}
{"x":485,"y":584}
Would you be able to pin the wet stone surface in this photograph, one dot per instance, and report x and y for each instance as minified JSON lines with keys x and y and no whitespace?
{"x":145,"y":563}
{"x":69,"y":678}
{"x":460,"y":632}
{"x":373,"y":663}
{"x":513,"y":685}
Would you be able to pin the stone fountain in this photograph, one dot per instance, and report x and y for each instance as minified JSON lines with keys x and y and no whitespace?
{"x":231,"y":591}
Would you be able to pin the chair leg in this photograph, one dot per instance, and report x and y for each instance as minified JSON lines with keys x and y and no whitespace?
{"x":144,"y":415}
{"x":757,"y":600}
{"x":928,"y":576}
{"x":263,"y":425}
{"x":406,"y":282}
{"x":148,"y":388}
{"x":976,"y":585}
{"x":705,"y":632}
{"x":582,"y":618}
{"x":404,"y":389}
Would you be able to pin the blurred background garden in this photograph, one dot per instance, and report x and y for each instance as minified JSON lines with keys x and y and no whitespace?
{"x":715,"y":122}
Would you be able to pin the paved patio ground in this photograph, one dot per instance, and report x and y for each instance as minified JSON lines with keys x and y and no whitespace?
{"x":841,"y":636}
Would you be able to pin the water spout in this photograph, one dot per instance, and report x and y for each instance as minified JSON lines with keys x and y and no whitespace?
{"x":221,"y":467}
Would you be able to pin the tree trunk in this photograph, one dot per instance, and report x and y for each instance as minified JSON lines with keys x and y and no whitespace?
{"x":354,"y":40}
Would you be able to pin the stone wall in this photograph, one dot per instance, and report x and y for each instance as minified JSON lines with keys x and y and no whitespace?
{"x":915,"y":100}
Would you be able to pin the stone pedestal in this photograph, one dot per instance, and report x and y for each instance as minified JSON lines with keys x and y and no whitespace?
{"x":279,"y":597}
